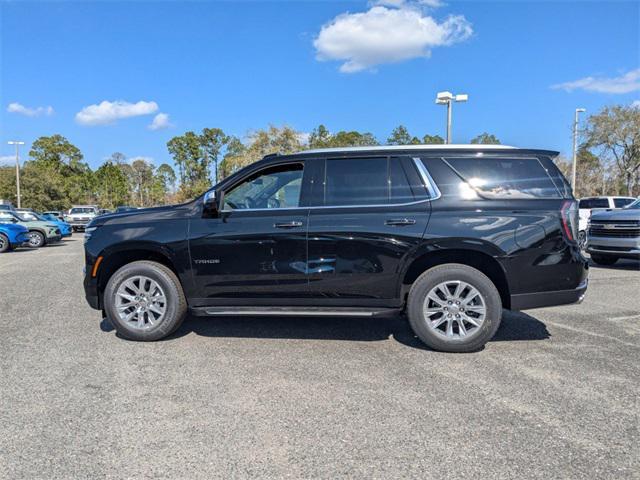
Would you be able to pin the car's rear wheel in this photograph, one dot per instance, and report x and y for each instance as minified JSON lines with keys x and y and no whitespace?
{"x":454,"y":308}
{"x":144,"y":301}
{"x":36,"y":239}
{"x":604,"y":259}
{"x":4,"y":243}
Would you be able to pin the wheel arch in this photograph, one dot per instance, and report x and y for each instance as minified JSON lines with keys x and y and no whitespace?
{"x":477,"y":259}
{"x":40,"y":231}
{"x":114,"y":259}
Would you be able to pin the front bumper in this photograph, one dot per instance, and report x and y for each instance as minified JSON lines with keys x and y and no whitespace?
{"x":526,"y":301}
{"x":91,"y":288}
{"x":54,"y":238}
{"x":21,"y":240}
{"x":619,"y":247}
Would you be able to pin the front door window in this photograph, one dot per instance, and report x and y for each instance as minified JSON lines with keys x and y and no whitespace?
{"x":277,"y":187}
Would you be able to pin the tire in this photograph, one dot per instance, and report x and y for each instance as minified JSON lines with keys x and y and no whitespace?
{"x":604,"y":259}
{"x":36,"y":239}
{"x":451,"y":275}
{"x":175,"y":304}
{"x":5,"y":246}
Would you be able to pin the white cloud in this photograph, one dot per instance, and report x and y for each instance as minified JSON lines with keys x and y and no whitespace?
{"x":15,"y":107}
{"x":629,"y":82}
{"x":107,"y":113}
{"x":7,"y":160}
{"x":636,"y":104}
{"x":386,"y":35}
{"x":160,"y":122}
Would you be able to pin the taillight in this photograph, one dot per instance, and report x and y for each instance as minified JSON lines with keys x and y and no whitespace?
{"x":569,"y":214}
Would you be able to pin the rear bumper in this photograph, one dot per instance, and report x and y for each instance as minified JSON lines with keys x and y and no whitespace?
{"x":527,"y":301}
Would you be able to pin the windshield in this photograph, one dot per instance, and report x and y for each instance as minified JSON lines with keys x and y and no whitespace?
{"x":8,"y":217}
{"x":635,"y":205}
{"x":82,"y":210}
{"x":31,"y":217}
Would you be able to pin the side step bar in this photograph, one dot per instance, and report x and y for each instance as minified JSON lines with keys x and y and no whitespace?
{"x":293,"y":311}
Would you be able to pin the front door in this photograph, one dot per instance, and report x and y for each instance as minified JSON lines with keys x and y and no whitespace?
{"x":257,"y":247}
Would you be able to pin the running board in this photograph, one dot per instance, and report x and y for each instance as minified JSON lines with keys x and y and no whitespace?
{"x":293,"y":311}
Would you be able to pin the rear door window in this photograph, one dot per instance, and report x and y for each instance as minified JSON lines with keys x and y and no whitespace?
{"x":371,"y":181}
{"x":589,"y":203}
{"x":499,"y":178}
{"x":622,"y":202}
{"x":356,"y":181}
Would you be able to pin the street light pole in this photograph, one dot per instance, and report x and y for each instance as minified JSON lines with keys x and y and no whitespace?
{"x":575,"y":148}
{"x":17,"y":145}
{"x":447,"y":98}
{"x":449,"y":107}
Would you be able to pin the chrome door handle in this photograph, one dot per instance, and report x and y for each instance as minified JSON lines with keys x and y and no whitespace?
{"x":293,"y":224}
{"x":399,"y":222}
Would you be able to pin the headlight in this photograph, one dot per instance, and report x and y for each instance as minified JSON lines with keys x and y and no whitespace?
{"x":87,"y":233}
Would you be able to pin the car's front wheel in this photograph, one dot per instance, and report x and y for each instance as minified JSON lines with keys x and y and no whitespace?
{"x":604,"y":259}
{"x":454,"y":308}
{"x":4,"y":243}
{"x":36,"y":239}
{"x":144,"y":301}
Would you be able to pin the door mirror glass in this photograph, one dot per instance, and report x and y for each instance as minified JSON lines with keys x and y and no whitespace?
{"x":210,"y":203}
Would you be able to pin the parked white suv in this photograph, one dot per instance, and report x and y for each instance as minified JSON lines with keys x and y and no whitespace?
{"x":80,"y":215}
{"x":588,"y":205}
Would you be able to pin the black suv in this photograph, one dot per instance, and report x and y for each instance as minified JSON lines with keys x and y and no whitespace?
{"x":450,"y":235}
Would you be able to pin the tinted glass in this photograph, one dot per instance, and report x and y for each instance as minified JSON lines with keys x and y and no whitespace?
{"x":357,"y":181}
{"x":276,"y":187}
{"x":82,"y":210}
{"x":622,"y":202}
{"x":506,"y":177}
{"x":634,"y":205}
{"x":400,"y":186}
{"x":594,"y":203}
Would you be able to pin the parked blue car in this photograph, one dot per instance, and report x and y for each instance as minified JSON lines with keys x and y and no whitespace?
{"x":12,"y":236}
{"x":65,"y":228}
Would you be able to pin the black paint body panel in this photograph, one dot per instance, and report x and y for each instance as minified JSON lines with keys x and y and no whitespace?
{"x":342,"y":256}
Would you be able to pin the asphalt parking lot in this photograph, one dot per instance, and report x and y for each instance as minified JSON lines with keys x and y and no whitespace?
{"x":554,"y":395}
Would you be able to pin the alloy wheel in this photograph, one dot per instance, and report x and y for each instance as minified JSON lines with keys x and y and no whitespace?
{"x":140,"y":302}
{"x":455,"y":310}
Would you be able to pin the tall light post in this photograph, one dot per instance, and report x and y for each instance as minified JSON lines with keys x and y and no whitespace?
{"x":575,"y":148}
{"x":447,"y":98}
{"x":17,"y":144}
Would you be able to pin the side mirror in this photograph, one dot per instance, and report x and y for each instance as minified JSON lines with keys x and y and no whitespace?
{"x":210,"y":204}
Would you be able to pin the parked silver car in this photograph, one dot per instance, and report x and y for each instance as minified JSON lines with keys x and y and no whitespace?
{"x":615,"y":234}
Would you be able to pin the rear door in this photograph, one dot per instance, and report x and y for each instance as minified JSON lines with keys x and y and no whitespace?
{"x":369,"y":214}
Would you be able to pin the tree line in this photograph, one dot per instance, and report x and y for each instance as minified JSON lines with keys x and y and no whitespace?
{"x":56,"y":176}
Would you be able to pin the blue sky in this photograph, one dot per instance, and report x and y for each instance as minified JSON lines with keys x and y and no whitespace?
{"x":350,"y":65}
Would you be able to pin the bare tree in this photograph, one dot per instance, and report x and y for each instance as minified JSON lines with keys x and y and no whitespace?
{"x":615,"y":130}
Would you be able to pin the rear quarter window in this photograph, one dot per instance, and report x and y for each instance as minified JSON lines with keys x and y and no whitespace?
{"x":504,"y":178}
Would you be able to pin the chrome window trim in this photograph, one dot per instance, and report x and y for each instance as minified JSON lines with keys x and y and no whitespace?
{"x":429,"y":184}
